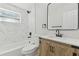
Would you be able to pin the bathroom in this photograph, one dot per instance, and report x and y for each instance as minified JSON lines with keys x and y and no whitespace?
{"x":25,"y":29}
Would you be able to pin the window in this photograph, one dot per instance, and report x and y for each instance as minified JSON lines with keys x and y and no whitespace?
{"x":9,"y":16}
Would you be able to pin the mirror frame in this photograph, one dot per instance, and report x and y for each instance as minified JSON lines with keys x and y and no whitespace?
{"x":61,"y":29}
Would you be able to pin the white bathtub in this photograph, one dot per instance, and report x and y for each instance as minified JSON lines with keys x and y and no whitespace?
{"x":13,"y":49}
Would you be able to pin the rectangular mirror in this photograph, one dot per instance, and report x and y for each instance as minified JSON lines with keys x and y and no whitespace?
{"x":62,"y":16}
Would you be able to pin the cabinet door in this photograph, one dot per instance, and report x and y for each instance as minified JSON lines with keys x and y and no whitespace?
{"x":52,"y":49}
{"x":44,"y":48}
{"x":62,"y":50}
{"x":76,"y":53}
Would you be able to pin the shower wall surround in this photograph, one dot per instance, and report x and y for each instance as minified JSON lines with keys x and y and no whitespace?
{"x":13,"y":32}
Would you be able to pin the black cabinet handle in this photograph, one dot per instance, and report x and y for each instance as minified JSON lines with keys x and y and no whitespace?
{"x":51,"y":49}
{"x":74,"y":54}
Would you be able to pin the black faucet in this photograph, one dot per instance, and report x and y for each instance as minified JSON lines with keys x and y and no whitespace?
{"x":58,"y":33}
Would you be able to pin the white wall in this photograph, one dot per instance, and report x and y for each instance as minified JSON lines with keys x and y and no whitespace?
{"x":32,"y":24}
{"x":41,"y":18}
{"x":31,"y":19}
{"x":13,"y":32}
{"x":31,"y":15}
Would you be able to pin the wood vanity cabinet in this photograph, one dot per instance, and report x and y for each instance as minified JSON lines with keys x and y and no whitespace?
{"x":52,"y":48}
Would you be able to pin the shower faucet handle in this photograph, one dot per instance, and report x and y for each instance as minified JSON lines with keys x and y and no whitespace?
{"x":29,"y":36}
{"x":30,"y":33}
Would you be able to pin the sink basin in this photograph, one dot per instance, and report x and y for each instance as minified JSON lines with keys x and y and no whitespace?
{"x":54,"y":37}
{"x":58,"y":37}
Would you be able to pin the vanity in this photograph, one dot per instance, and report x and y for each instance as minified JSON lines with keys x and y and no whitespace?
{"x":60,"y":16}
{"x":56,"y":46}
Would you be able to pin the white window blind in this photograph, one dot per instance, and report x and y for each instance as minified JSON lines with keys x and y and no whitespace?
{"x":9,"y":16}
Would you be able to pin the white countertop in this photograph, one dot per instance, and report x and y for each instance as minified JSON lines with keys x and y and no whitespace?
{"x":67,"y":40}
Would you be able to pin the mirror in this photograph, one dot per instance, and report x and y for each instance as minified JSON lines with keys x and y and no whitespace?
{"x":62,"y":16}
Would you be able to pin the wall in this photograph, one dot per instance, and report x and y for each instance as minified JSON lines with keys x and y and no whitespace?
{"x":13,"y":32}
{"x":41,"y":18}
{"x":31,"y":20}
{"x":32,"y":24}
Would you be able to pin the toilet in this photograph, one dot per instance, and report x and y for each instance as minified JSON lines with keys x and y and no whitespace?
{"x":30,"y":49}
